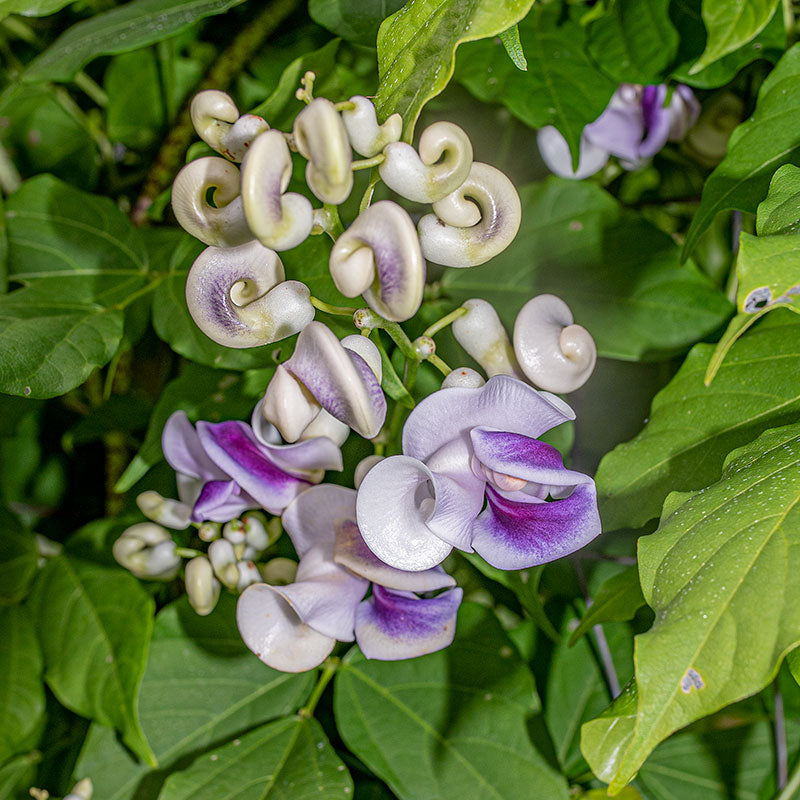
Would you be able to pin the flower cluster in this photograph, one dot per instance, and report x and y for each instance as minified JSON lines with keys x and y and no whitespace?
{"x":473,"y":474}
{"x":637,"y":123}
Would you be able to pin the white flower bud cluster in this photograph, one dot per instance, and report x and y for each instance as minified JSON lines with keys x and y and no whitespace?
{"x":237,"y":290}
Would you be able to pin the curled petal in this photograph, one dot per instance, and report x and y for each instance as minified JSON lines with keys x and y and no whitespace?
{"x":555,"y":153}
{"x":217,"y":122}
{"x":685,"y":110}
{"x":445,"y":242}
{"x":362,"y":346}
{"x":235,"y":449}
{"x":220,"y":225}
{"x":202,"y":588}
{"x":184,"y":452}
{"x":312,"y":517}
{"x":554,"y":353}
{"x":368,"y":138}
{"x":463,"y":378}
{"x":324,"y":425}
{"x":238,"y":298}
{"x":271,"y":628}
{"x":442,"y":165}
{"x":379,"y":256}
{"x":394,"y":625}
{"x":288,"y":405}
{"x":321,"y":138}
{"x":481,"y":333}
{"x":516,"y":535}
{"x":363,"y":467}
{"x":504,"y":403}
{"x":339,"y":380}
{"x":218,"y":501}
{"x":351,"y":551}
{"x":279,"y":221}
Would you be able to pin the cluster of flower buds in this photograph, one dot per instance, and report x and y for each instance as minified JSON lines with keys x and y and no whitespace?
{"x":637,"y":123}
{"x":237,"y":291}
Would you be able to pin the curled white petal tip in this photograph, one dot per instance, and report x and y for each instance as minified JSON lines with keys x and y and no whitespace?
{"x":554,"y":353}
{"x":368,"y":138}
{"x":379,"y":256}
{"x":217,"y":122}
{"x":481,"y":333}
{"x":202,"y":588}
{"x":82,"y":790}
{"x":363,"y":467}
{"x":238,"y":298}
{"x":441,"y":166}
{"x":367,"y":349}
{"x":289,"y":405}
{"x":322,"y":138}
{"x":463,"y":378}
{"x":279,"y":221}
{"x":220,"y":225}
{"x":148,"y":551}
{"x":443,"y":235}
{"x":325,"y":424}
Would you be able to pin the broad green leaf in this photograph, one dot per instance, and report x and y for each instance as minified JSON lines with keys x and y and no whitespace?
{"x":417,"y":46}
{"x":761,"y":144}
{"x":618,"y":273}
{"x":561,"y":87}
{"x":731,"y":24}
{"x":18,"y":558}
{"x":513,"y":46}
{"x":21,"y":690}
{"x":78,"y":260}
{"x":450,"y":724}
{"x":202,"y":687}
{"x":525,"y":586}
{"x":17,"y":775}
{"x":31,"y":8}
{"x":719,"y":573}
{"x":41,"y":135}
{"x":618,"y":600}
{"x":767,"y":270}
{"x":608,"y":734}
{"x":779,"y":212}
{"x":355,"y":20}
{"x":135,"y":111}
{"x":94,"y":626}
{"x":173,"y":323}
{"x":119,"y":30}
{"x":634,"y":41}
{"x":288,"y":758}
{"x":202,"y":393}
{"x":692,"y":427}
{"x":736,"y":328}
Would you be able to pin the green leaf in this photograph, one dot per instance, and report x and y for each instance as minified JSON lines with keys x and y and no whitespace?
{"x":460,"y":715}
{"x":693,"y":427}
{"x":21,"y":690}
{"x":18,"y":558}
{"x":766,"y":268}
{"x":618,"y":600}
{"x":173,"y":323}
{"x":731,"y":24}
{"x":355,"y":20}
{"x":525,"y":586}
{"x":17,"y":775}
{"x":618,"y":273}
{"x":127,"y":27}
{"x":390,"y":380}
{"x":202,"y":687}
{"x":417,"y":45}
{"x":202,"y":393}
{"x":720,"y":576}
{"x":513,"y":46}
{"x":94,"y":626}
{"x":562,"y":87}
{"x":78,"y":259}
{"x":634,"y":41}
{"x":757,"y":147}
{"x":288,"y":758}
{"x":779,"y":212}
{"x":31,"y":8}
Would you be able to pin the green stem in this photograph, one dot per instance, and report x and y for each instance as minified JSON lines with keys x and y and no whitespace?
{"x":228,"y":65}
{"x":366,"y":198}
{"x":330,"y":665}
{"x":439,"y":364}
{"x":140,"y":292}
{"x":91,"y":89}
{"x":336,"y":228}
{"x":788,"y":20}
{"x":368,"y":163}
{"x":398,"y":336}
{"x":446,"y":320}
{"x":187,"y":552}
{"x":339,"y":311}
{"x":792,"y":787}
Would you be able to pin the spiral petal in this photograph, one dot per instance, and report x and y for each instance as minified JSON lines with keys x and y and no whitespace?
{"x":368,"y":138}
{"x":481,"y":333}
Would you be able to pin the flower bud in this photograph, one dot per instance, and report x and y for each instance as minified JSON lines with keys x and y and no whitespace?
{"x":257,"y":533}
{"x":463,"y":378}
{"x":209,"y":531}
{"x":248,"y":574}
{"x":224,"y":561}
{"x":171,"y":513}
{"x":147,"y":550}
{"x":368,"y":138}
{"x":278,"y":571}
{"x":217,"y":122}
{"x":481,"y":333}
{"x":82,"y":790}
{"x":202,"y":588}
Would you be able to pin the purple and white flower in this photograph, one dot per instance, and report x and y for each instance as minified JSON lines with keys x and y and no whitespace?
{"x":295,"y":627}
{"x":474,"y":475}
{"x":224,"y":469}
{"x":637,"y":123}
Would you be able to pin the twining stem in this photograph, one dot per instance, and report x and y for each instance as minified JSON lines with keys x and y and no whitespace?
{"x":339,"y":311}
{"x":336,"y":228}
{"x":446,"y":320}
{"x":366,"y":198}
{"x":781,"y":754}
{"x":367,"y":163}
{"x":398,"y":336}
{"x":439,"y":364}
{"x":228,"y":65}
{"x":793,"y":785}
{"x":329,"y":667}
